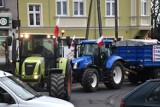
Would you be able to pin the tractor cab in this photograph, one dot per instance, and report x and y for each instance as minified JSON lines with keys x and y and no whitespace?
{"x":89,"y":50}
{"x":40,"y":47}
{"x":37,"y":55}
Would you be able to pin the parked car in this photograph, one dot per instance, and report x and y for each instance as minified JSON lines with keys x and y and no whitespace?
{"x":15,"y":93}
{"x":145,"y":95}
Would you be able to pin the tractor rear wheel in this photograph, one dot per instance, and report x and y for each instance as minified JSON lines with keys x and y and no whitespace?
{"x":68,"y":81}
{"x":57,"y":88}
{"x":90,"y":79}
{"x":116,"y":76}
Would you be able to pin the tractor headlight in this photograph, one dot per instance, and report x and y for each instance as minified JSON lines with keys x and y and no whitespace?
{"x":23,"y":73}
{"x":35,"y":77}
{"x":76,"y":65}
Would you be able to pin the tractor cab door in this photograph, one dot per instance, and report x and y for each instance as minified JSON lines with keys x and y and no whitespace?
{"x":105,"y":53}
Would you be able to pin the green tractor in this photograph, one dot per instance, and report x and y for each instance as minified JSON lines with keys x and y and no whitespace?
{"x":41,"y":66}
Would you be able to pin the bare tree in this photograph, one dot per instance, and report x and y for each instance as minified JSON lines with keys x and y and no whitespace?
{"x":155,"y":19}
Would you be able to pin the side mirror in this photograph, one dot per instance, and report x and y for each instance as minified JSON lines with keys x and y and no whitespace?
{"x":68,"y":41}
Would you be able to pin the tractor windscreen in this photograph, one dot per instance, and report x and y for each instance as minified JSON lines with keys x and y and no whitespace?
{"x":89,"y":49}
{"x":38,"y":46}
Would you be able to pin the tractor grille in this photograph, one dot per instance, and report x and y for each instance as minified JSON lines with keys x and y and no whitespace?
{"x":29,"y":68}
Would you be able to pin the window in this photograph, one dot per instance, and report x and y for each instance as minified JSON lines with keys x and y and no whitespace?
{"x":110,"y":7}
{"x":1,"y":3}
{"x":5,"y":97}
{"x":144,"y":7}
{"x":34,"y":15}
{"x":78,"y":7}
{"x":155,"y":95}
{"x":62,"y":7}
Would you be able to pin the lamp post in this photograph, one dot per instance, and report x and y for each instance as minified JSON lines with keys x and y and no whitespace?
{"x":116,"y":22}
{"x":62,"y":32}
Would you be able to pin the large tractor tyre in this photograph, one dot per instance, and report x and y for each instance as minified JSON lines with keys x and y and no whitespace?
{"x":57,"y":88}
{"x":90,"y":80}
{"x":116,"y":76}
{"x":68,"y":81}
{"x":155,"y":73}
{"x":133,"y":78}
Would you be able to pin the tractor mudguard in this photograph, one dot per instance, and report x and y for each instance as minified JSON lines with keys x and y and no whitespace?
{"x":111,"y":61}
{"x":62,"y":65}
{"x":56,"y":70}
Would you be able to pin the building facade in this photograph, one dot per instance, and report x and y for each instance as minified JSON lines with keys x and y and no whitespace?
{"x":39,"y":17}
{"x":8,"y":13}
{"x":8,"y":25}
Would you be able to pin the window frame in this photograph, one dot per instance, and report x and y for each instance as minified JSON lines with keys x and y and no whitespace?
{"x":79,"y":10}
{"x":111,"y":2}
{"x":1,"y":6}
{"x":61,"y":9}
{"x":144,"y":4}
{"x":148,"y":98}
{"x":2,"y":88}
{"x":34,"y":14}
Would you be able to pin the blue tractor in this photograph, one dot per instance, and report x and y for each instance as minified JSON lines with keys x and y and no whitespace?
{"x":97,"y":64}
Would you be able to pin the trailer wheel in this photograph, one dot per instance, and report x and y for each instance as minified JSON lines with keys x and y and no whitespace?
{"x":57,"y":86}
{"x":133,"y":78}
{"x":116,"y":76}
{"x":156,"y":73}
{"x":90,"y":80}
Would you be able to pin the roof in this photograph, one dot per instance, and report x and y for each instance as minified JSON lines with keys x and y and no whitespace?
{"x":95,"y":41}
{"x":3,"y":74}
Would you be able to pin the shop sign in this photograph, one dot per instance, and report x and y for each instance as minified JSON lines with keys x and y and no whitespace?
{"x":156,"y":53}
{"x":4,"y":21}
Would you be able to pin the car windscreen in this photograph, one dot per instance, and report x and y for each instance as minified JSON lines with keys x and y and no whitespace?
{"x":21,"y":89}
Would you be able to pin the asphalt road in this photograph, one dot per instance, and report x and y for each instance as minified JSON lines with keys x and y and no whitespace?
{"x":101,"y":98}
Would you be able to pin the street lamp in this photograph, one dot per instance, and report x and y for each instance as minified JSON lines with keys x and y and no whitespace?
{"x":62,"y":32}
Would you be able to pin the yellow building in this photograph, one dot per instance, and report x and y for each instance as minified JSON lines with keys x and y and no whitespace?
{"x":39,"y":17}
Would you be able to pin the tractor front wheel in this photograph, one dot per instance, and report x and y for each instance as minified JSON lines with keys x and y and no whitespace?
{"x":57,"y":86}
{"x":68,"y":83}
{"x":90,"y":79}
